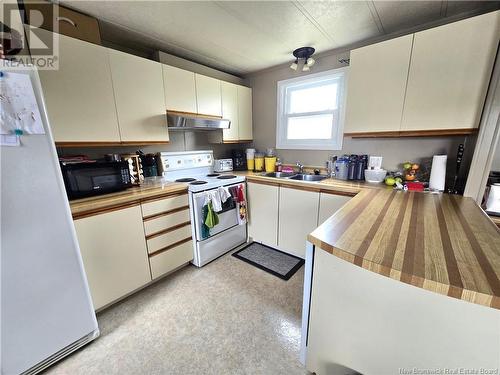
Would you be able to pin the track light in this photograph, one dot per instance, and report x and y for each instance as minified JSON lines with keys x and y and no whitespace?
{"x":304,"y":54}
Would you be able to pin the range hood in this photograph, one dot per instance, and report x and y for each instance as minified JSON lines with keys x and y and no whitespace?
{"x":177,"y":121}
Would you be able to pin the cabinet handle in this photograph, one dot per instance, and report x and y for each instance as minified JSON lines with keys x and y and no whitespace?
{"x":65,"y":19}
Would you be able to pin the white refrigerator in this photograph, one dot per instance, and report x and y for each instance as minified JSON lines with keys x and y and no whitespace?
{"x":46,"y":309}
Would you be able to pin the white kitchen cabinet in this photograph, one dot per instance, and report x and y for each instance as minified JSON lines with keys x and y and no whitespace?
{"x":329,"y":204}
{"x":449,"y":74}
{"x":376,"y":86}
{"x":171,"y":259}
{"x":263,"y":213}
{"x":180,"y":89}
{"x":208,"y":95}
{"x":230,"y":111}
{"x":114,"y":253}
{"x":79,"y":95}
{"x":245,"y":113}
{"x":139,"y":97}
{"x":298,"y":216}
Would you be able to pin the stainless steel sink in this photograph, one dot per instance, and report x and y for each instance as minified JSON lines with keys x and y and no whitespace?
{"x":280,"y":174}
{"x":308,"y":177}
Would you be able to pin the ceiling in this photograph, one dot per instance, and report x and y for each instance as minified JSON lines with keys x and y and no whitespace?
{"x":241,"y":37}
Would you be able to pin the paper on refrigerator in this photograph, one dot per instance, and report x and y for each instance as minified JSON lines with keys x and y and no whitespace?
{"x":19,"y":108}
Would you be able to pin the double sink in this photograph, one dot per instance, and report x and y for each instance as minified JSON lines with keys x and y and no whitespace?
{"x":296,"y":176}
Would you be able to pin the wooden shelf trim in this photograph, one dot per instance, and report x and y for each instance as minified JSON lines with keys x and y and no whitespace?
{"x":103,"y":210}
{"x":167,"y":230}
{"x":230,"y":142}
{"x":165,"y":213}
{"x":108,"y":144}
{"x":412,"y":133}
{"x":293,"y":185}
{"x":192,"y":114}
{"x":166,"y":248}
{"x":163,"y":196}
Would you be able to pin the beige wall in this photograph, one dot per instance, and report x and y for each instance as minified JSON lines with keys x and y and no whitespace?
{"x":179,"y":141}
{"x":394,"y":150}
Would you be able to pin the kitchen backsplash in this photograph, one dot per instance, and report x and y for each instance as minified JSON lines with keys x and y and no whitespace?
{"x":179,"y":141}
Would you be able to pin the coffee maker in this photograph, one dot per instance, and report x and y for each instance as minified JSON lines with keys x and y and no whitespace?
{"x":239,"y":160}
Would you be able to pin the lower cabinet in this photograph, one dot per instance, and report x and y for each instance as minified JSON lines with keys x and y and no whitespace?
{"x":263,"y":213}
{"x":298,"y":216}
{"x":114,"y":253}
{"x":282,"y":217}
{"x":329,"y":204}
{"x":168,"y":260}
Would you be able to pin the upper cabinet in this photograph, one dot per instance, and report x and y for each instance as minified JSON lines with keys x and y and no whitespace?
{"x":230,"y":111}
{"x":449,"y":74}
{"x":180,"y":89}
{"x":431,"y":82}
{"x":79,"y":95}
{"x":208,"y":95}
{"x":377,"y":84}
{"x":245,"y":113}
{"x":139,"y":97}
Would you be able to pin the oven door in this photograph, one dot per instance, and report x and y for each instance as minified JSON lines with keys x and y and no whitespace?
{"x":228,"y":217}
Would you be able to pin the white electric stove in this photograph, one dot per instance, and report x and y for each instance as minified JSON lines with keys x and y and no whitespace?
{"x":196,"y":168}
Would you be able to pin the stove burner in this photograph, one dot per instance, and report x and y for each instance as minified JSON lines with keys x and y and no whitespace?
{"x":198,"y":182}
{"x":213,"y":174}
{"x":185,"y":179}
{"x":226,"y":177}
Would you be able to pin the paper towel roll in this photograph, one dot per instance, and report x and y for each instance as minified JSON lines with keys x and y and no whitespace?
{"x":438,"y":173}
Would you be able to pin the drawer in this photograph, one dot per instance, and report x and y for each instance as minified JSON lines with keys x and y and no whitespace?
{"x":170,"y":259}
{"x":166,"y":221}
{"x":163,"y":205}
{"x":160,"y":242}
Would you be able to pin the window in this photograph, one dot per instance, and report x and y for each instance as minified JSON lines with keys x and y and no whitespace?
{"x":311,"y":111}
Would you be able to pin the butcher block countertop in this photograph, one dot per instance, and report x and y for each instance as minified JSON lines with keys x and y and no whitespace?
{"x":439,"y":242}
{"x":103,"y":203}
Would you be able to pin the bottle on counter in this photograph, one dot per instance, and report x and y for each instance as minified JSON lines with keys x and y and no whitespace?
{"x":279,"y":166}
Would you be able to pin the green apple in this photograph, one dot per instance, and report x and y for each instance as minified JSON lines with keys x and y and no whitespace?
{"x":390,"y":181}
{"x":407,"y":165}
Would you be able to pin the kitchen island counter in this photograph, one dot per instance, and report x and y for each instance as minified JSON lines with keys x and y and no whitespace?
{"x":439,"y":242}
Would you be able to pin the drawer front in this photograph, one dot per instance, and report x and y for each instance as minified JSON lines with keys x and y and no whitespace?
{"x":170,"y":259}
{"x":163,"y":205}
{"x":159,"y":242}
{"x":166,"y":221}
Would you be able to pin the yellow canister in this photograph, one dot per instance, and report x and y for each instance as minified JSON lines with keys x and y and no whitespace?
{"x":250,"y":164}
{"x":259,"y":163}
{"x":270,"y":162}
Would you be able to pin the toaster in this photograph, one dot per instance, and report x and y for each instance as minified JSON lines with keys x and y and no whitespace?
{"x":223,"y":165}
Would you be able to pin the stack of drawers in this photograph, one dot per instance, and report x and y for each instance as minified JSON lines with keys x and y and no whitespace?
{"x":167,"y":227}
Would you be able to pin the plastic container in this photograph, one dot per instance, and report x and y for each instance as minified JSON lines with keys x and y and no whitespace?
{"x":250,"y":158}
{"x":342,"y":169}
{"x":375,"y":175}
{"x":270,"y":163}
{"x":259,"y":161}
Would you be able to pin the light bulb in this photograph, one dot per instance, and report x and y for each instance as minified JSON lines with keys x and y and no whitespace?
{"x":310,"y":61}
{"x":305,"y":68}
{"x":294,"y":65}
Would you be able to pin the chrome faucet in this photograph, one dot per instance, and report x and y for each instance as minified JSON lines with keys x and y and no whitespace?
{"x":301,"y":167}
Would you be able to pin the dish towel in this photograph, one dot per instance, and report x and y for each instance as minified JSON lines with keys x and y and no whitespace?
{"x":213,"y":196}
{"x":242,"y":205}
{"x":224,"y":193}
{"x":211,"y":219}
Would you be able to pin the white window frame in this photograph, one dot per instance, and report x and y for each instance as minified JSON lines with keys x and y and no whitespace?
{"x":335,"y":142}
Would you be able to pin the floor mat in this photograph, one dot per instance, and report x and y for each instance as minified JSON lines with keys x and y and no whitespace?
{"x":270,"y":260}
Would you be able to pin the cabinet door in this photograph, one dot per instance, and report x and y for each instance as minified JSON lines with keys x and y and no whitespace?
{"x":263,"y":213}
{"x":180,"y":89}
{"x":114,"y":253}
{"x":230,"y":111}
{"x":79,"y":95}
{"x":376,"y":86}
{"x":298,"y":216}
{"x":208,"y":95}
{"x":139,"y":97}
{"x":245,"y":113}
{"x":329,"y":204}
{"x":449,"y":74}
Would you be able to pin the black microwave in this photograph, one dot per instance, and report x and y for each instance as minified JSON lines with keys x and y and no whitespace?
{"x":100,"y":177}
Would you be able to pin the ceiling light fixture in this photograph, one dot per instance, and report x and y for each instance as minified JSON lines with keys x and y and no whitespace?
{"x":303,"y":53}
